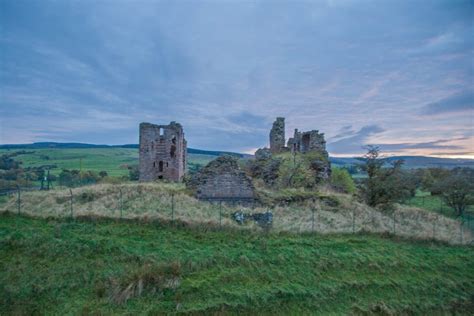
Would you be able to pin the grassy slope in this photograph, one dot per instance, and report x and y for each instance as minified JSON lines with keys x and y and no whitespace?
{"x":96,"y":159}
{"x":57,"y":267}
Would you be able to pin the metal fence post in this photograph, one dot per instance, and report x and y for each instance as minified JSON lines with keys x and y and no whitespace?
{"x":19,"y":199}
{"x":353,"y":220}
{"x":434,"y":226}
{"x":121,"y":204}
{"x":312,"y":218}
{"x":461,"y":229}
{"x":172,"y":207}
{"x":72,"y":214}
{"x":394,"y":222}
{"x":220,"y":213}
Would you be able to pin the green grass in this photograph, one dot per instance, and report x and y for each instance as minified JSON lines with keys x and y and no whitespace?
{"x":112,"y":160}
{"x":435,"y":204}
{"x":58,"y":267}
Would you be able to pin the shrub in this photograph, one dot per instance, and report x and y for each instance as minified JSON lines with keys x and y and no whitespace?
{"x":341,"y":180}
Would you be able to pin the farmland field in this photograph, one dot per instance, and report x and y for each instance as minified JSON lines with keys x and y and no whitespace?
{"x":112,"y":160}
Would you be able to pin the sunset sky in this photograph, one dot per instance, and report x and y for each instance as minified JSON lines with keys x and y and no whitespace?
{"x":399,"y":74}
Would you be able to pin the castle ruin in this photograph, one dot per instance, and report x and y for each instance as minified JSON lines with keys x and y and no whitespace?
{"x":162,"y":152}
{"x":277,"y":136}
{"x":223,"y":180}
{"x":302,"y":142}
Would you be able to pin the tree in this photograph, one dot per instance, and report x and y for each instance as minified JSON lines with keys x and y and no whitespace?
{"x":384,"y":185}
{"x":103,"y":174}
{"x":457,"y":190}
{"x":342,"y":180}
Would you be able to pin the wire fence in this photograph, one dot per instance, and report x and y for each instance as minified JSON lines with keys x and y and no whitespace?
{"x":145,"y":202}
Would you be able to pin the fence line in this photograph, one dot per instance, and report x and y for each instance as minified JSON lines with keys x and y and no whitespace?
{"x":313,"y":219}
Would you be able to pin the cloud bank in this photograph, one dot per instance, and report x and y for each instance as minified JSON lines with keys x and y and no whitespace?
{"x":365,"y":72}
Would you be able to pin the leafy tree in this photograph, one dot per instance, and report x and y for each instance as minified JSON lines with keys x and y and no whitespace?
{"x":457,"y":189}
{"x":103,"y":174}
{"x":295,"y":172}
{"x":384,"y":185}
{"x":342,"y":180}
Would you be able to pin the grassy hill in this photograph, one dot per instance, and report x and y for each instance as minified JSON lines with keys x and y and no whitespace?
{"x":57,"y":267}
{"x":330,"y":213}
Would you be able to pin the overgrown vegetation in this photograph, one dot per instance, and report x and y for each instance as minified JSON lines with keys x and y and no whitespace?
{"x":287,"y":170}
{"x":108,"y":267}
{"x":294,"y":210}
{"x":384,"y":186}
{"x":342,"y":181}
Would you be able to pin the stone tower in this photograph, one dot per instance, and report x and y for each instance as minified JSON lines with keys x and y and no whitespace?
{"x":277,"y":136}
{"x":162,"y":153}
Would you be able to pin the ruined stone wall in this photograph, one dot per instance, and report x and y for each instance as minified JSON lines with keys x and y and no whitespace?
{"x":308,"y":141}
{"x":277,"y":135}
{"x":222,"y":179}
{"x":162,"y":152}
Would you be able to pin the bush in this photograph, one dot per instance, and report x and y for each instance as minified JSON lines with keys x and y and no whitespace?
{"x":74,"y":178}
{"x":294,"y":172}
{"x":133,"y":172}
{"x":342,"y":181}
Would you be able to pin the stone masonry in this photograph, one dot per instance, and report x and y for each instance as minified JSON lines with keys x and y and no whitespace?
{"x":162,"y":153}
{"x":301,"y":142}
{"x":308,"y":141}
{"x":223,"y":180}
{"x":277,"y":136}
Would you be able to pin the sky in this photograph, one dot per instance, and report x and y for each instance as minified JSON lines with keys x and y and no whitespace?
{"x":397,"y":74}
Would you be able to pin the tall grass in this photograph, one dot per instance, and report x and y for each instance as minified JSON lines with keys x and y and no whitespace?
{"x":166,"y":202}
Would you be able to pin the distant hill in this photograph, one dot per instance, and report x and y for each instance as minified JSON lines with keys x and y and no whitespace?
{"x":45,"y":145}
{"x":413,"y":162}
{"x":410,"y":161}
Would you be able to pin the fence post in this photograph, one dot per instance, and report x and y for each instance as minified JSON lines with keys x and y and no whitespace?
{"x":394,"y":222}
{"x":434,"y":226}
{"x":353,"y":220}
{"x":72,"y":214}
{"x":121,"y":203}
{"x":461,"y":229}
{"x":19,"y":199}
{"x":312,"y":219}
{"x":172,"y":207}
{"x":220,"y":213}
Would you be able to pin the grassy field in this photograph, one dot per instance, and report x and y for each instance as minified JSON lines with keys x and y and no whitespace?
{"x":435,"y":204}
{"x":59,"y":267}
{"x":112,"y":160}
